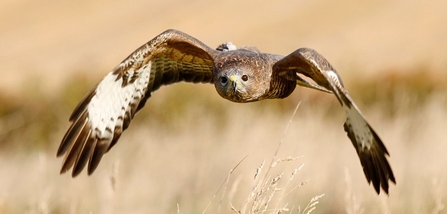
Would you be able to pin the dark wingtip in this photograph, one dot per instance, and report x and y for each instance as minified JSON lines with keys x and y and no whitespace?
{"x":63,"y":170}
{"x":99,"y":151}
{"x":374,"y":162}
{"x":84,"y":156}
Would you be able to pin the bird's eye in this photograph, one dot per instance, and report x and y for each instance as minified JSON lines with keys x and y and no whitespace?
{"x":244,"y":78}
{"x":223,"y":80}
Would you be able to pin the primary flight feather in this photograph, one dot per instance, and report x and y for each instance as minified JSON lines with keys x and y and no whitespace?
{"x":239,"y":75}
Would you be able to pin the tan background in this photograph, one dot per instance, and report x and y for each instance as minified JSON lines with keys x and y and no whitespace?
{"x":51,"y":39}
{"x":180,"y":152}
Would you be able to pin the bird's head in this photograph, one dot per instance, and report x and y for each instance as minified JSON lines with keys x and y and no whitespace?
{"x":241,"y":77}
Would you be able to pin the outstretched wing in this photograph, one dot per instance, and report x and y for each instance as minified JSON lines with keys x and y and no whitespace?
{"x":106,"y":111}
{"x":369,"y":147}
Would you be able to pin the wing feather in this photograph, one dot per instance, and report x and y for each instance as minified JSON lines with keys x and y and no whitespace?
{"x":75,"y":148}
{"x":107,"y":110}
{"x":369,"y":147}
{"x":70,"y":136}
{"x":85,"y":154}
{"x":99,"y":151}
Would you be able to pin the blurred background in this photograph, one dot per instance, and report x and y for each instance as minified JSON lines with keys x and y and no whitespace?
{"x":392,"y":56}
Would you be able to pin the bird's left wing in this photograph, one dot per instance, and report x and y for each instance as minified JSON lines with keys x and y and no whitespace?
{"x":107,"y":110}
{"x":369,"y":147}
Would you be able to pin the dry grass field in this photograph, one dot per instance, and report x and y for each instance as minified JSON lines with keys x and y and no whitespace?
{"x":190,"y":151}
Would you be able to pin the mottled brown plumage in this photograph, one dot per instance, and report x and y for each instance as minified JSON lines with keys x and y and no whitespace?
{"x":239,"y":75}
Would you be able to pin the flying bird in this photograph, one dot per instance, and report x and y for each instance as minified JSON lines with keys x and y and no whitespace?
{"x":239,"y":75}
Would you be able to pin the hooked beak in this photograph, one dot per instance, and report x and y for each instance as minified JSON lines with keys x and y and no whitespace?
{"x":235,"y":81}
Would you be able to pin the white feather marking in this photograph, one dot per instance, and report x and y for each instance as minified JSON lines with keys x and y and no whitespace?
{"x":315,"y":64}
{"x":359,"y":127}
{"x":231,"y":46}
{"x":112,"y":101}
{"x":333,"y":76}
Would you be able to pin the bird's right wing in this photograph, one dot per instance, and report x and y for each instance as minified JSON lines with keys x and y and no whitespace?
{"x":369,"y":147}
{"x":106,"y":111}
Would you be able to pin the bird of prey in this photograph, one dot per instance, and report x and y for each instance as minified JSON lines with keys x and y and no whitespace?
{"x":239,"y":75}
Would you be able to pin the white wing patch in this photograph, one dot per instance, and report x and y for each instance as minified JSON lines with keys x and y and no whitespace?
{"x":112,"y":100}
{"x":359,"y":127}
{"x":334,"y":76}
{"x":354,"y":118}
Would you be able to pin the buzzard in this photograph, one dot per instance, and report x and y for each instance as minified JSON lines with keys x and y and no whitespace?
{"x":239,"y":75}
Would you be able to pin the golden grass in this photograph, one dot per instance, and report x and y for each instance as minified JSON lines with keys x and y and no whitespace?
{"x":177,"y":153}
